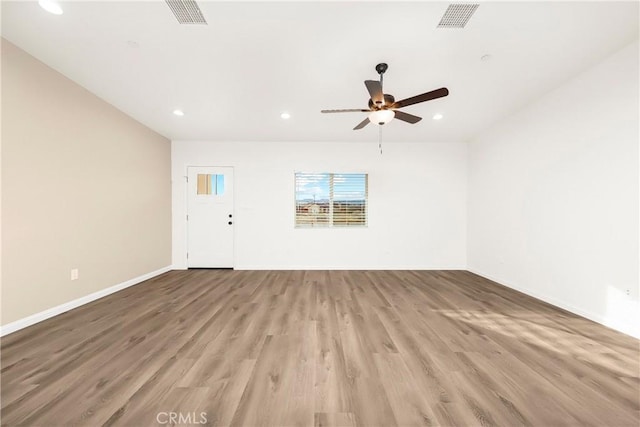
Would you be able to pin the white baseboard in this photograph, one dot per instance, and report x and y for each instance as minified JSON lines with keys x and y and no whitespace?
{"x":561,"y":304}
{"x":343,"y":268}
{"x":351,"y":267}
{"x":54,"y":311}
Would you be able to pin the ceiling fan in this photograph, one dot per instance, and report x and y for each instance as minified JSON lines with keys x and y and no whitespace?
{"x":383,"y":107}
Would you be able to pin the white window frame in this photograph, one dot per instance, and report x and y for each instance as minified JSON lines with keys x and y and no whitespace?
{"x":330,"y":223}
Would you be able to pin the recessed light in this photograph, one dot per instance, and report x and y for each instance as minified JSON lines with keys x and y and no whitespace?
{"x":285,"y":115}
{"x":485,"y":57}
{"x":178,"y":113}
{"x":51,"y":6}
{"x":437,"y":116}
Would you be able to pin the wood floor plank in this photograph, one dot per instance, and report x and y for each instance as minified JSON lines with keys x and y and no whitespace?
{"x":333,"y":419}
{"x":331,"y":395}
{"x":319,"y":348}
{"x":410,"y":406}
{"x":263,"y":402}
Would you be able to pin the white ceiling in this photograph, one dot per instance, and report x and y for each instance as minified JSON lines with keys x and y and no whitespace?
{"x":252,"y":61}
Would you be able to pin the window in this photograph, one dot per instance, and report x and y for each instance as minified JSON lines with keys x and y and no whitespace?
{"x":331,"y":199}
{"x":210,"y":184}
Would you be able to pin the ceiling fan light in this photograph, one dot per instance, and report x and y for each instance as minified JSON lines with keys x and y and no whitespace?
{"x":381,"y":117}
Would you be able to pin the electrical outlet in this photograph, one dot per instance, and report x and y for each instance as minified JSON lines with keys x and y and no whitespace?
{"x":74,"y":274}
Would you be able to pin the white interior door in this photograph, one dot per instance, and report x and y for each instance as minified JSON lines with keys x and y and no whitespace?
{"x":210,"y":217}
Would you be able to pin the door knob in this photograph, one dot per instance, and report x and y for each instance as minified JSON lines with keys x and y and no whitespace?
{"x":230,"y":222}
{"x":230,"y":216}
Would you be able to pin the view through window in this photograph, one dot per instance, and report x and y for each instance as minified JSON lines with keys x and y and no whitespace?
{"x":331,"y":199}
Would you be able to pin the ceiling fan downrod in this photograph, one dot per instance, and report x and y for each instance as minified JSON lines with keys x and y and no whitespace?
{"x":380,"y":69}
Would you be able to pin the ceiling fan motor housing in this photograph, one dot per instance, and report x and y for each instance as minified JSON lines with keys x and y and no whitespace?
{"x":388,"y":101}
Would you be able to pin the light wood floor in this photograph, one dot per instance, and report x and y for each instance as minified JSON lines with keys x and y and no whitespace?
{"x":284,"y":348}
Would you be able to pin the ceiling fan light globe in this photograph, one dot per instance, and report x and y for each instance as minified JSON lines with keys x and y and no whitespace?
{"x":381,"y":117}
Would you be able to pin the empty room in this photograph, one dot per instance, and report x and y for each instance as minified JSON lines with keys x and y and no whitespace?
{"x":320,"y":213}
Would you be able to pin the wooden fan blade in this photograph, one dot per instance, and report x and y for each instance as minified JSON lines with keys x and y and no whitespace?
{"x":375,"y":90}
{"x":434,"y":94}
{"x":406,"y":117}
{"x":345,"y":110}
{"x":362,"y":124}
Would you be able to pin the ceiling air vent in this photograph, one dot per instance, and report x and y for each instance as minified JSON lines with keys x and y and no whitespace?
{"x":457,"y":15}
{"x":186,"y":11}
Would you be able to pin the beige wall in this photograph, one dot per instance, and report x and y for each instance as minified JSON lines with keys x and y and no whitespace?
{"x":83,"y":186}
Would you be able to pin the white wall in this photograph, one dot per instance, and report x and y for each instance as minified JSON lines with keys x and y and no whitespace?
{"x":417,"y":204}
{"x":553,"y":196}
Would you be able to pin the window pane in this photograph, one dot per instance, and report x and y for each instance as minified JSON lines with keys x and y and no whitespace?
{"x":349,"y":200}
{"x":312,"y":200}
{"x":204,"y":184}
{"x":219,"y":184}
